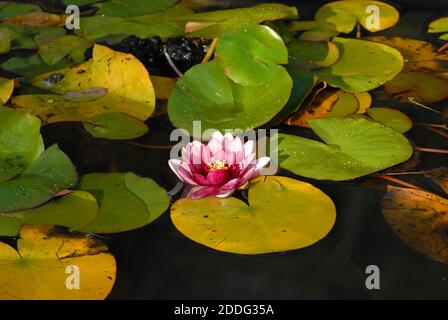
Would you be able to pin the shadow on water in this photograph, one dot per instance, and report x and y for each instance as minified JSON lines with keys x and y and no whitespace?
{"x":158,"y":262}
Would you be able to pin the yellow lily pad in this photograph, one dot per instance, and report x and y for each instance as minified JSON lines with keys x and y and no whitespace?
{"x":6,"y":89}
{"x":38,"y":269}
{"x":419,"y":218}
{"x":128,"y":85}
{"x":283,"y":214}
{"x":344,"y":15}
{"x":35,"y":19}
{"x":392,"y":118}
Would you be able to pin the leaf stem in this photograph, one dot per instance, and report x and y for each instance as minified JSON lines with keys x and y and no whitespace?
{"x":412,"y":100}
{"x":210,"y":51}
{"x":149,"y":146}
{"x":431,"y":150}
{"x":397,"y":181}
{"x":171,"y":63}
{"x":439,"y":132}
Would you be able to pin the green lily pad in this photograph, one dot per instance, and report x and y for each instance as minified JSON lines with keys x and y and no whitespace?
{"x":250,"y":54}
{"x":51,"y":173}
{"x":363,"y":65}
{"x":9,"y":226}
{"x":439,"y":26}
{"x":165,"y":24}
{"x":5,"y":41}
{"x":344,"y":15}
{"x":116,"y":126}
{"x":312,"y":54}
{"x":205,"y":93}
{"x":78,"y":2}
{"x":56,"y":49}
{"x":20,"y":142}
{"x":213,"y":24}
{"x":132,"y":8}
{"x":126,"y":201}
{"x":352,"y":148}
{"x":11,"y":9}
{"x":283,"y":214}
{"x":74,"y":210}
{"x":392,"y":118}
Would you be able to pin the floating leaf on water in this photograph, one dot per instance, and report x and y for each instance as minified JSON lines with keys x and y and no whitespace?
{"x":20,"y":142}
{"x":418,"y":55}
{"x":421,"y":86}
{"x":250,"y":54}
{"x":166,"y":24}
{"x":38,"y":269}
{"x":163,"y":86}
{"x":303,"y":84}
{"x":351,"y":73}
{"x":51,"y":173}
{"x":131,"y":8}
{"x":12,"y":9}
{"x":6,"y":89}
{"x":75,"y":210}
{"x":129,"y":89}
{"x":5,"y":41}
{"x":272,"y":222}
{"x":419,"y":218}
{"x":344,"y":15}
{"x":392,"y":118}
{"x":320,"y":107}
{"x":126,"y":201}
{"x":313,"y":30}
{"x":352,"y":148}
{"x":35,"y":19}
{"x":215,"y":23}
{"x":116,"y":126}
{"x":364,"y":100}
{"x":312,"y":54}
{"x":55,"y":50}
{"x":439,"y":26}
{"x":439,"y":176}
{"x":329,"y":103}
{"x":205,"y":93}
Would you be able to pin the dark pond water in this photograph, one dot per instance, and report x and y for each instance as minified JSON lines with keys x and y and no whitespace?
{"x":157,"y":262}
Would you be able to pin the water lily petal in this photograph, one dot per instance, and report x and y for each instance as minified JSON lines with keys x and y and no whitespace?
{"x":217,"y":177}
{"x":226,"y":194}
{"x":204,"y":192}
{"x":231,"y":185}
{"x":185,"y":176}
{"x":262,"y":162}
{"x":249,"y":148}
{"x":174,"y":165}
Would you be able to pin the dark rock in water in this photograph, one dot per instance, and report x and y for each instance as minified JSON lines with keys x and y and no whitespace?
{"x":184,"y":53}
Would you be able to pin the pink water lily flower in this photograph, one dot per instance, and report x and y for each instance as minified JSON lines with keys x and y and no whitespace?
{"x":218,"y":168}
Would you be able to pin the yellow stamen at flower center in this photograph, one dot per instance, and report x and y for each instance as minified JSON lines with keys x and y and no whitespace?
{"x":217,"y":165}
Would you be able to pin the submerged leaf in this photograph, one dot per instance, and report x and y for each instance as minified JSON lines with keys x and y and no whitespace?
{"x":352,"y":148}
{"x":38,"y":269}
{"x":270,"y":223}
{"x":35,"y":19}
{"x":56,"y":49}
